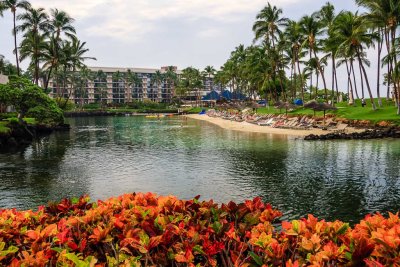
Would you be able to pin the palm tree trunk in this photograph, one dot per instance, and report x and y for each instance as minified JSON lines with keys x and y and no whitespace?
{"x":333,"y":79}
{"x":389,"y":65}
{"x":378,"y":78}
{"x":351,"y":100}
{"x":15,"y":43}
{"x":366,"y":80}
{"x":354,"y":77}
{"x":322,"y":76}
{"x":301,"y":80}
{"x":362,"y":83}
{"x":48,"y":78}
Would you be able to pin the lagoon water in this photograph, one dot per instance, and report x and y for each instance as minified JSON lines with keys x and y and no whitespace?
{"x":109,"y":156}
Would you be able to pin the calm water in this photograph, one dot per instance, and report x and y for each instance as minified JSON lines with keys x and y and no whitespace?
{"x":108,"y":156}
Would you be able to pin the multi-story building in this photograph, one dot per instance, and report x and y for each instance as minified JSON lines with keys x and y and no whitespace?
{"x":122,"y":85}
{"x":114,"y":85}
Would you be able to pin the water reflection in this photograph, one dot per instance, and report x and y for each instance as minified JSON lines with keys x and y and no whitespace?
{"x":107,"y":156}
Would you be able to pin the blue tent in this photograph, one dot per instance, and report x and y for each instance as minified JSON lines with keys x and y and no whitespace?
{"x":227,"y":95}
{"x":213,"y":95}
{"x":238,"y":96}
{"x":233,"y":96}
{"x":298,"y":102}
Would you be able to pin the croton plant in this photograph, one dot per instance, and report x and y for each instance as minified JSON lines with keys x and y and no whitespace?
{"x":149,"y":230}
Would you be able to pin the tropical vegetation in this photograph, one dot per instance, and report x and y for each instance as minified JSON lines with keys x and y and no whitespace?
{"x":29,"y":100}
{"x":287,"y":54}
{"x":149,"y":230}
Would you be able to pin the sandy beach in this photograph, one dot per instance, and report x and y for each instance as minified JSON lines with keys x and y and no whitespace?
{"x":248,"y":127}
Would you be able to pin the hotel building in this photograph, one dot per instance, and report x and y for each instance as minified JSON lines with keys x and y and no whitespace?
{"x":109,"y":89}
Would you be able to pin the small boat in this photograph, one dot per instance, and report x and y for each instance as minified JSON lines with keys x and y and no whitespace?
{"x":155,"y":116}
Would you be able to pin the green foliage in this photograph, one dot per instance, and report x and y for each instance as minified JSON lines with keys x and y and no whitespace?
{"x":29,"y":99}
{"x":147,"y":104}
{"x":65,"y":105}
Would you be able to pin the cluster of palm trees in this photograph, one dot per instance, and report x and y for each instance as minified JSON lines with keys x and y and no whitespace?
{"x":49,"y":42}
{"x":288,"y":59}
{"x":193,"y":80}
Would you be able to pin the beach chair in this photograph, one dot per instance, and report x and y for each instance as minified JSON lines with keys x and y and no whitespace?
{"x":340,"y":128}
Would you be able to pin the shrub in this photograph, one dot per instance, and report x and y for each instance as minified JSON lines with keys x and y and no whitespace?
{"x":146,"y":229}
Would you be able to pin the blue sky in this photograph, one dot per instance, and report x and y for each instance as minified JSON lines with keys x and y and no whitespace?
{"x":155,"y":33}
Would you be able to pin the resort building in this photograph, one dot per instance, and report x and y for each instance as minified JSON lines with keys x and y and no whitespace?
{"x":122,"y":85}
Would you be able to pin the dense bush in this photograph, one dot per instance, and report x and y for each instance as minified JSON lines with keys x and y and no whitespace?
{"x":29,"y":99}
{"x":148,"y":230}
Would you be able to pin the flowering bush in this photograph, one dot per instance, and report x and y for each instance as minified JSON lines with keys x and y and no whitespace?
{"x":150,"y":230}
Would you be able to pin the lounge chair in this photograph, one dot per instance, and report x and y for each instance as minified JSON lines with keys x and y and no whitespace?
{"x":340,"y":128}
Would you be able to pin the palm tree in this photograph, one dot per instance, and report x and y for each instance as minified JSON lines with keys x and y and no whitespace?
{"x":294,"y":39}
{"x":35,"y":27}
{"x":171,"y":78}
{"x":132,"y":80}
{"x":32,"y":47}
{"x":77,"y":53}
{"x":118,"y":84}
{"x":354,"y":33}
{"x":100,"y":86}
{"x":330,"y":45}
{"x":157,"y":78}
{"x":311,"y":28}
{"x":13,"y":5}
{"x":268,"y":23}
{"x":209,"y":71}
{"x":384,"y":16}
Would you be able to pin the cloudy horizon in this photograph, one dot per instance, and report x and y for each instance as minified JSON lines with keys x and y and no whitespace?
{"x":151,"y":34}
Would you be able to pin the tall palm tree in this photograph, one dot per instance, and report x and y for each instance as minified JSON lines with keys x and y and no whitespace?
{"x":32,"y":46}
{"x":171,"y":77}
{"x":330,"y":45}
{"x":35,"y":27}
{"x":118,"y":84}
{"x":77,"y":53}
{"x":100,"y":86}
{"x":294,"y":39}
{"x":384,"y":16}
{"x":209,"y":71}
{"x":268,"y":23}
{"x":157,"y":78}
{"x":60,"y":23}
{"x":353,"y":30}
{"x":132,"y":80}
{"x":312,"y":28}
{"x":13,"y":5}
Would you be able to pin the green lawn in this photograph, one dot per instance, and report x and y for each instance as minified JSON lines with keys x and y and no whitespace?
{"x":385,"y":113}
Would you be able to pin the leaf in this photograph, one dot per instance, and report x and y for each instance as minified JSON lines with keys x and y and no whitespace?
{"x":342,"y":230}
{"x":256,"y":258}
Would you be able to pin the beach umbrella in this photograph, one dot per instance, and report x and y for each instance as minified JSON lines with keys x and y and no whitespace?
{"x":319,"y":107}
{"x":284,"y":105}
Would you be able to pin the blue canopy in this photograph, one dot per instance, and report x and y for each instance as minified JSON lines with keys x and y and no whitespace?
{"x":233,"y":96}
{"x":213,"y":95}
{"x":298,"y":102}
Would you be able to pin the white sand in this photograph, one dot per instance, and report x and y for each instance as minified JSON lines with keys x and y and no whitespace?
{"x":249,"y":127}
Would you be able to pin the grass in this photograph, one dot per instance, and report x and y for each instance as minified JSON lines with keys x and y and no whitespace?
{"x":388,"y":112}
{"x":3,"y":127}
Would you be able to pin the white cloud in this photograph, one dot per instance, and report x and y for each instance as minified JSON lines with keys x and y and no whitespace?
{"x":131,"y":20}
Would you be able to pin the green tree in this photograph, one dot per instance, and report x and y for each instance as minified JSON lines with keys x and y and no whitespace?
{"x":13,"y":5}
{"x":353,"y":31}
{"x":35,"y":26}
{"x":29,"y":99}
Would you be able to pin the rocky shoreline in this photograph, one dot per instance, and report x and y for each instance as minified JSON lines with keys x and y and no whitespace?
{"x":21,"y":136}
{"x":392,"y":132}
